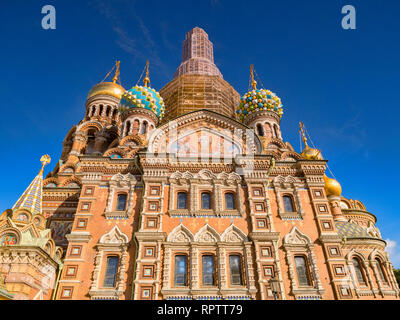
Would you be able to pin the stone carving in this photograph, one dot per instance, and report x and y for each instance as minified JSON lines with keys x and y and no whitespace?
{"x":233,"y":234}
{"x":296,"y":237}
{"x":115,"y":236}
{"x":180,"y":234}
{"x":207,"y":234}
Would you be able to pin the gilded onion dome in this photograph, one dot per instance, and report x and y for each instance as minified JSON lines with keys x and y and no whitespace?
{"x":108,"y":88}
{"x":143,"y":97}
{"x":258,"y":100}
{"x":309,"y":153}
{"x":332,"y":187}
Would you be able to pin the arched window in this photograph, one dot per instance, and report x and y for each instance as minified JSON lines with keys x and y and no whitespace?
{"x":108,"y":109}
{"x":205,"y":201}
{"x":111,"y":272}
{"x":51,"y":185}
{"x":136,"y":125}
{"x":100,"y":111}
{"x":72,"y":185}
{"x":90,"y":141}
{"x":358,"y":271}
{"x":288,"y":204}
{"x":114,"y":114}
{"x":127,"y":128}
{"x":208,"y":270}
{"x":235,"y":268}
{"x":260,"y":130}
{"x":180,"y":278}
{"x":182,"y":200}
{"x":230,"y":201}
{"x":268,"y":131}
{"x":276,"y":131}
{"x":302,"y":271}
{"x":121,"y":202}
{"x":380,"y":270}
{"x":144,"y":128}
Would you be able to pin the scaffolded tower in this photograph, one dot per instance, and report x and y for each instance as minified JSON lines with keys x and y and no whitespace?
{"x":198,"y":83}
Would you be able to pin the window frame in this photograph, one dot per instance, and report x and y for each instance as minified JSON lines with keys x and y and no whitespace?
{"x":107,"y":259}
{"x":186,"y":200}
{"x":117,"y":201}
{"x":307,"y":271}
{"x":231,"y":275}
{"x":230,"y":193}
{"x":203,"y":193}
{"x":360,"y":268}
{"x":185,"y":275}
{"x":214,"y":280}
{"x":289,"y":196}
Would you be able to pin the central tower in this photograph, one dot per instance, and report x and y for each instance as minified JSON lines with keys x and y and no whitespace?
{"x":198,"y":83}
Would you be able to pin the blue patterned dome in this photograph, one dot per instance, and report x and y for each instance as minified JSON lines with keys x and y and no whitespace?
{"x":258,"y":100}
{"x":143,"y":97}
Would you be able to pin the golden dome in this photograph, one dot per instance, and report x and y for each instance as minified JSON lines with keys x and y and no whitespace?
{"x":107,"y":88}
{"x":311,"y":154}
{"x":332,"y":187}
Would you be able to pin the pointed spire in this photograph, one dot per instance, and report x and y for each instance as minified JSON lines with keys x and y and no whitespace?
{"x":253,"y":82}
{"x":116,"y":76}
{"x":146,"y":79}
{"x":31,"y":199}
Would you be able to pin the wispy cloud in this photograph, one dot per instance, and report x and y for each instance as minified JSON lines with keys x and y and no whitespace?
{"x":147,"y":50}
{"x":215,"y":3}
{"x":393,"y":251}
{"x":352,"y":132}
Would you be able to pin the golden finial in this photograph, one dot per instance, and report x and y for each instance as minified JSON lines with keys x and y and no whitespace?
{"x":146,"y":79}
{"x":45,"y":160}
{"x":253,"y":82}
{"x":116,"y":76}
{"x":303,"y":133}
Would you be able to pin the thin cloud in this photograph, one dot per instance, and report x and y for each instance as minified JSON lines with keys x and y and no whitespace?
{"x":394,"y":254}
{"x":148,"y":47}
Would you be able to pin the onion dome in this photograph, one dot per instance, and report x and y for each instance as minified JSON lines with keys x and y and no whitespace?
{"x":332,"y":187}
{"x":143,"y":97}
{"x":311,"y":154}
{"x":258,"y":100}
{"x":108,"y":88}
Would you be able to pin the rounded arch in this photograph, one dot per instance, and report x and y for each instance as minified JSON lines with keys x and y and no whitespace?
{"x":132,"y":138}
{"x":20,"y":214}
{"x":10,"y":236}
{"x":48,"y":181}
{"x":86,"y":126}
{"x":71,"y":180}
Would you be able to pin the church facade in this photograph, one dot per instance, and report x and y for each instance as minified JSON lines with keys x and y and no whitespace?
{"x":192,"y":193}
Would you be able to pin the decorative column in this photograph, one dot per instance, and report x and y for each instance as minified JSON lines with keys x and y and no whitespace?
{"x":194,"y":282}
{"x":334,"y":202}
{"x":223,"y":284}
{"x":79,"y":139}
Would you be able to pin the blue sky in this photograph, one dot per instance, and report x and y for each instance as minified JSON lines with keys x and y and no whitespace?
{"x":342,"y":83}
